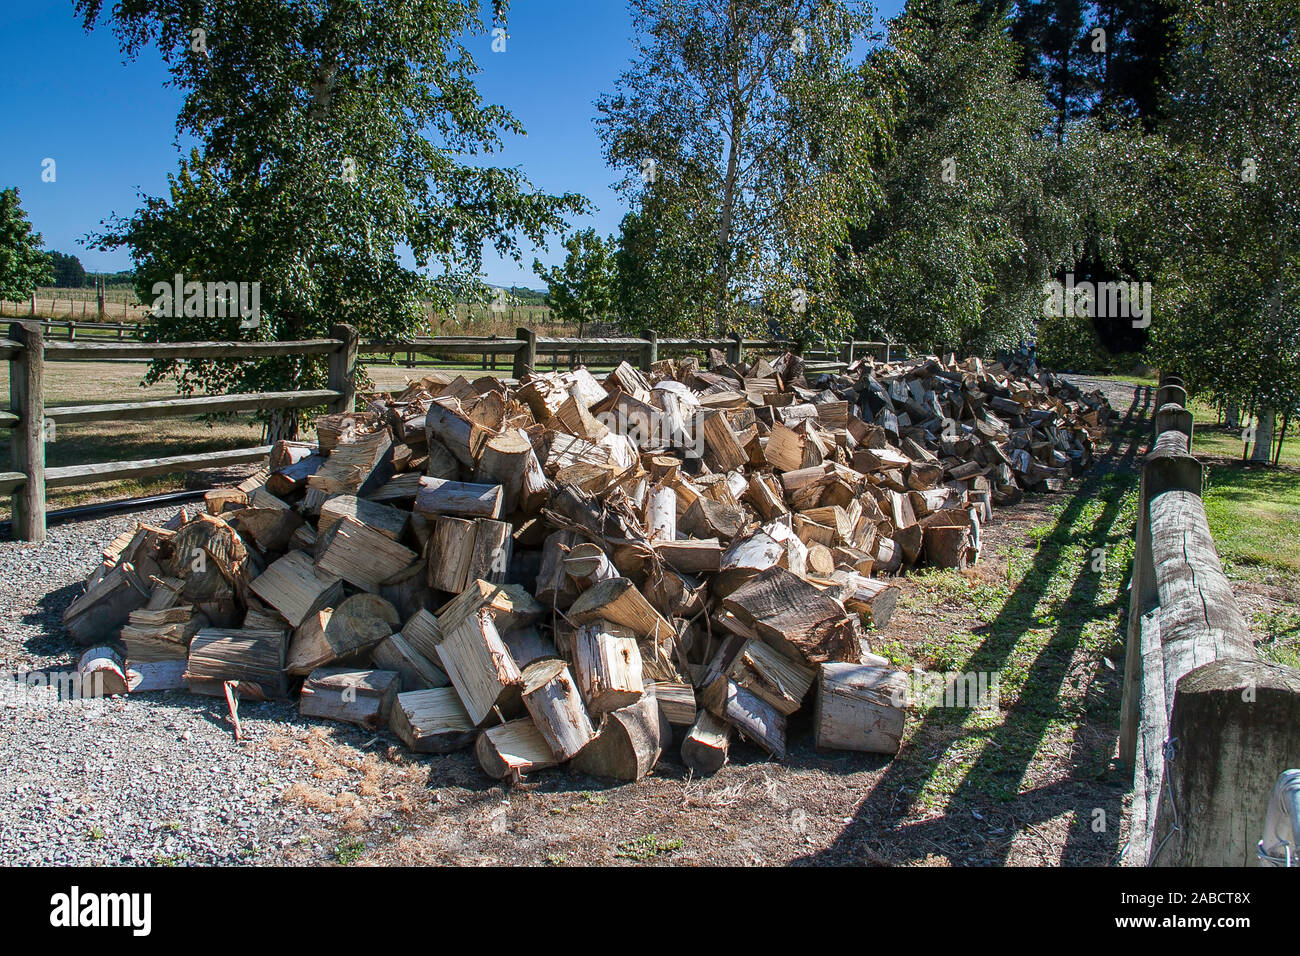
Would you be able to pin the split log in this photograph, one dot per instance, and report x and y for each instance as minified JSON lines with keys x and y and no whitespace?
{"x":772,"y":676}
{"x":355,"y":466}
{"x":607,"y":663}
{"x":756,"y":720}
{"x":294,"y":587}
{"x":860,"y":707}
{"x":510,"y":606}
{"x":361,"y":697}
{"x":551,"y":697}
{"x":480,"y":667}
{"x":628,"y":744}
{"x":505,"y":460}
{"x":513,"y":749}
{"x":388,"y":521}
{"x":451,"y":552}
{"x":676,"y":699}
{"x":253,"y":658}
{"x":145,"y":677}
{"x":691,"y":557}
{"x":705,"y":747}
{"x":395,"y":653}
{"x":432,"y":721}
{"x":438,"y":496}
{"x":493,"y":548}
{"x":335,"y":636}
{"x":362,"y":556}
{"x":619,"y":602}
{"x":801,"y":621}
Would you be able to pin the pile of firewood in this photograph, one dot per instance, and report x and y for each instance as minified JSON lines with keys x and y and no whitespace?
{"x":565,"y":569}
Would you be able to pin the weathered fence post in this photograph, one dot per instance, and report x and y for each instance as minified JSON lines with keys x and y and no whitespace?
{"x":735,"y":346}
{"x":343,"y":368}
{"x":526,"y":354}
{"x":650,"y":350}
{"x":1234,"y":724}
{"x":1167,"y":467}
{"x":27,"y":439}
{"x":846,"y":352}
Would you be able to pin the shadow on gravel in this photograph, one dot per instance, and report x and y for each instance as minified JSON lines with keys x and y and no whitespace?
{"x":48,"y":616}
{"x":1011,"y":746}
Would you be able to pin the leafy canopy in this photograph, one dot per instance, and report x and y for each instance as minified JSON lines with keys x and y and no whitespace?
{"x":23,"y":266}
{"x":337,"y":142}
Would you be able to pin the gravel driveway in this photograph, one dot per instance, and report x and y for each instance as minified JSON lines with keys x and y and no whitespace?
{"x":148,"y":779}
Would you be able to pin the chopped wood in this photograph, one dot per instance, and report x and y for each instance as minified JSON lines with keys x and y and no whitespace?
{"x":296,"y":588}
{"x":551,"y":697}
{"x":513,"y":749}
{"x":432,"y":721}
{"x":361,"y":697}
{"x":706,"y":744}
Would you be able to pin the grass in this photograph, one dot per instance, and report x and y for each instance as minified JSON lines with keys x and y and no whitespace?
{"x":1254,"y":516}
{"x":349,"y":851}
{"x":1044,"y":631}
{"x":646,"y":848}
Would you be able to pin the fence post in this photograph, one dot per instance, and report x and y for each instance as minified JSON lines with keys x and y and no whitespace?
{"x":1167,"y":467}
{"x":526,"y":354}
{"x":846,"y":352}
{"x":734,"y":348}
{"x":650,"y":350}
{"x":343,"y":367}
{"x":1235,"y":725}
{"x":27,"y":439}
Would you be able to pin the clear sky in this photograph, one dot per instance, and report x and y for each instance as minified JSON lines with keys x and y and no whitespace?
{"x":110,"y":126}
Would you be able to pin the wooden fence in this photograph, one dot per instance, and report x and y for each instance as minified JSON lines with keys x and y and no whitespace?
{"x":28,"y":349}
{"x":1206,"y":725}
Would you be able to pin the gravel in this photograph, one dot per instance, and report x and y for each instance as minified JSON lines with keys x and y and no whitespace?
{"x":151,"y":779}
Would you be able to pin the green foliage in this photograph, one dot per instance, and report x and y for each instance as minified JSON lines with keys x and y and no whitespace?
{"x":68,"y":271}
{"x":664,"y":264}
{"x":22,"y":264}
{"x":1226,"y":230}
{"x":647,"y":847}
{"x":746,"y":145}
{"x":1069,"y":343}
{"x":585,"y":287}
{"x":979,"y":208}
{"x":333,"y":140}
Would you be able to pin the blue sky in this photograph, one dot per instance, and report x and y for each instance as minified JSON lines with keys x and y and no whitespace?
{"x":110,"y":127}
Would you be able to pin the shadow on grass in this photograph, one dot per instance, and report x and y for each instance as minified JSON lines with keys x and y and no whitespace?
{"x":1010,"y":747}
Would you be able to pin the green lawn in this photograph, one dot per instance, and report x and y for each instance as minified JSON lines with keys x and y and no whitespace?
{"x":1254,"y":515}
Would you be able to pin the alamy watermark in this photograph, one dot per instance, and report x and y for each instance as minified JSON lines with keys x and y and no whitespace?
{"x":974,"y":690}
{"x":1099,"y":300}
{"x":51,"y":688}
{"x":213,"y":300}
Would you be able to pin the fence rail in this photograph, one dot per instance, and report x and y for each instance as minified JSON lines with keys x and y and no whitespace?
{"x":1206,"y":725}
{"x":30,"y":347}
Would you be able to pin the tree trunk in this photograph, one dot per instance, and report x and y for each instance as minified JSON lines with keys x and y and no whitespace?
{"x":1263,"y":448}
{"x":1232,"y":414}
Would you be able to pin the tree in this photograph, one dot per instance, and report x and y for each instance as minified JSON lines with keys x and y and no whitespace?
{"x":585,"y":287}
{"x":979,"y":207}
{"x":22,"y":264}
{"x":1230,"y":243}
{"x":746,"y":115}
{"x":68,"y":271}
{"x":664,"y":264}
{"x":333,"y":137}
